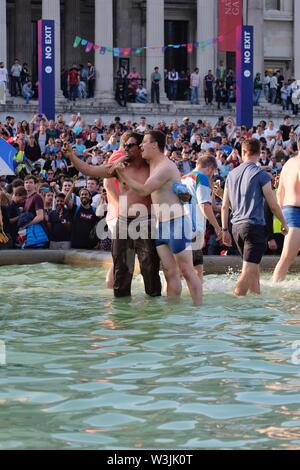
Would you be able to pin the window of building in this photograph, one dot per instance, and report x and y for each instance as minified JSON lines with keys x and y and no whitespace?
{"x":273,"y":4}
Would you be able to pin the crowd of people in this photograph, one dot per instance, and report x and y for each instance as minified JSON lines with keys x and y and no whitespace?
{"x":40,"y":146}
{"x":63,"y":190}
{"x":217,"y":87}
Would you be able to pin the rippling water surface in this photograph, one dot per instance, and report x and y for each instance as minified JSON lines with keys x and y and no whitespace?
{"x":85,"y":371}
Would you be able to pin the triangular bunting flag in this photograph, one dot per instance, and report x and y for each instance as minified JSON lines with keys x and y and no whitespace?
{"x":89,"y":47}
{"x":77,"y":41}
{"x":126,"y":51}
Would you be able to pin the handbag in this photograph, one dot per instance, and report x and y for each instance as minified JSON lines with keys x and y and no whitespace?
{"x":36,"y":237}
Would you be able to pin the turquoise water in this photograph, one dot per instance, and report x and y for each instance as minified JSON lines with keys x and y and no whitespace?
{"x":85,"y":371}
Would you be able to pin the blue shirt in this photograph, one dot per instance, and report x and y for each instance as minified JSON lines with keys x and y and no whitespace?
{"x":79,"y":149}
{"x":226,"y":148}
{"x":245,"y":190}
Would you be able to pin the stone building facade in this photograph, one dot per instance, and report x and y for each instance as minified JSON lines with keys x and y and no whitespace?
{"x":136,"y":23}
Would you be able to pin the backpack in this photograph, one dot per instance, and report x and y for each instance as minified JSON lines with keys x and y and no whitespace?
{"x":36,"y":237}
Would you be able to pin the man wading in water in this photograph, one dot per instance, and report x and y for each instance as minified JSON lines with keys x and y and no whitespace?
{"x":174,"y":231}
{"x":245,"y":190}
{"x":134,"y":209}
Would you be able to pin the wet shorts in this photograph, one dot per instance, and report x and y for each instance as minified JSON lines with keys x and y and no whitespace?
{"x":176,"y":234}
{"x":292,"y":216}
{"x":251,"y":241}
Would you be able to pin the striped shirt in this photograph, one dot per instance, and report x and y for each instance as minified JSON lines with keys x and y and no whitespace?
{"x":199,"y":186}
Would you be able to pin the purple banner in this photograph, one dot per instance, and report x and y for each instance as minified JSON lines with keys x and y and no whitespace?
{"x":244,"y":75}
{"x":46,"y":66}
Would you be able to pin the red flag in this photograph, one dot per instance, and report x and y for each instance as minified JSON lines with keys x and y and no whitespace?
{"x":230,"y":17}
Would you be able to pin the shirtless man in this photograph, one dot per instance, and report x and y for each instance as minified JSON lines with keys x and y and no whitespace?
{"x":289,"y":200}
{"x":174,"y":233}
{"x":133,"y":208}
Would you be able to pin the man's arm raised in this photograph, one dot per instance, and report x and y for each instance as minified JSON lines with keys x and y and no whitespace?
{"x":88,"y":170}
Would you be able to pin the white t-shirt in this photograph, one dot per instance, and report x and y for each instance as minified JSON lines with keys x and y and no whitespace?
{"x":273,"y":82}
{"x":16,"y":70}
{"x":199,"y":186}
{"x":258,"y":136}
{"x":195,"y":79}
{"x":141,"y":92}
{"x":270,"y":133}
{"x":3,"y":75}
{"x":42,"y":141}
{"x":208,"y":145}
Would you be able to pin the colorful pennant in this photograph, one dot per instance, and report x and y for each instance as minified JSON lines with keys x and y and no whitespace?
{"x":126,"y":51}
{"x":77,"y":41}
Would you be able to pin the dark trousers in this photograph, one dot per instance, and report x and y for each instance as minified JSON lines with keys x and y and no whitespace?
{"x":124,"y":251}
{"x":73,"y":92}
{"x":16,"y":86}
{"x":209,"y":96}
{"x":295,"y":108}
{"x":155,"y":94}
{"x":173,"y":91}
{"x":91,"y":88}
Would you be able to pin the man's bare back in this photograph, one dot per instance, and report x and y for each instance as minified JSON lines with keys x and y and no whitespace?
{"x":289,"y":188}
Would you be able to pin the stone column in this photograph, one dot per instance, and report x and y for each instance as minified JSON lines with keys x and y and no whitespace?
{"x":155,"y":37}
{"x":3,"y":34}
{"x":296,"y":40}
{"x":104,"y":62}
{"x":256,"y":19}
{"x":23,"y":32}
{"x":206,"y":11}
{"x":123,"y":23}
{"x":51,"y":11}
{"x":72,"y":29}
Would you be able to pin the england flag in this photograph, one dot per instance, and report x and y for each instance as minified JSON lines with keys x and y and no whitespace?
{"x":7,"y":162}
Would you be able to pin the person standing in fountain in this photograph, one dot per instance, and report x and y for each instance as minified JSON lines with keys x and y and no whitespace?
{"x":289,"y":199}
{"x":246,"y":187}
{"x":174,"y":231}
{"x":132,"y":234}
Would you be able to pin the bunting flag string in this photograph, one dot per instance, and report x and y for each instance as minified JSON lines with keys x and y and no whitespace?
{"x":127,"y":51}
